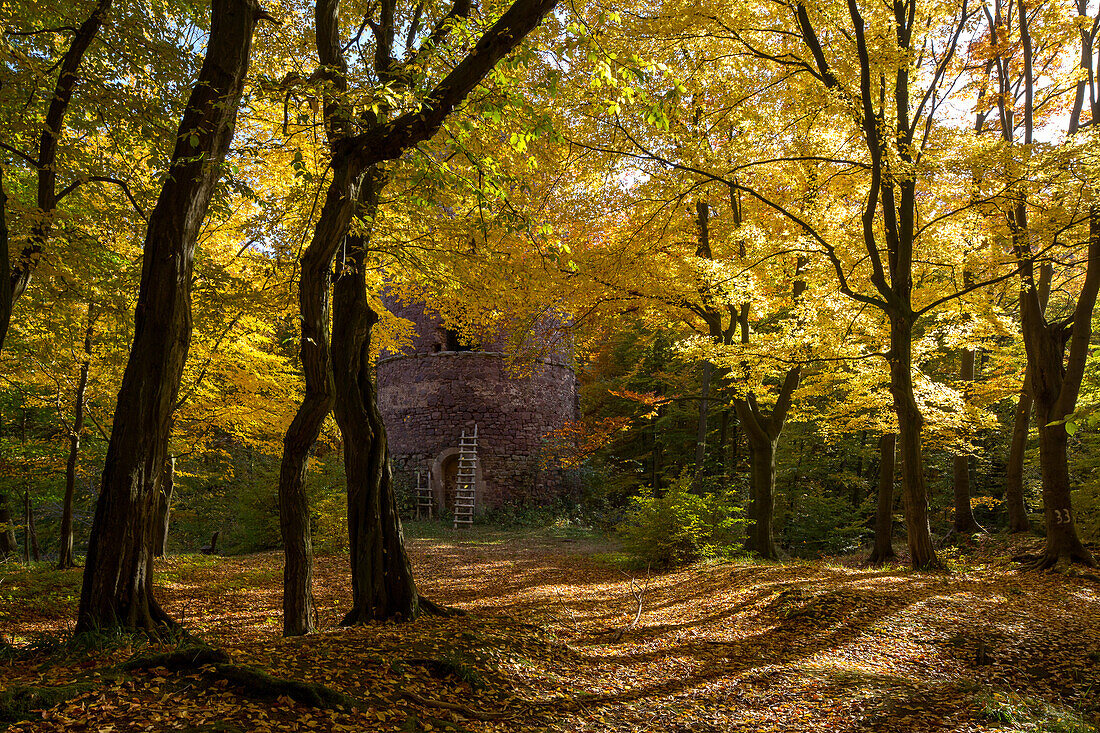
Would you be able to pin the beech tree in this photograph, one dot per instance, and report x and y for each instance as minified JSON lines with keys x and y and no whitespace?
{"x":1057,"y":343}
{"x":116,"y":588}
{"x":383,"y":586}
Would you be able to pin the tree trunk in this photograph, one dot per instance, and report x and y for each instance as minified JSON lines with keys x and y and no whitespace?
{"x":26,"y":526}
{"x":164,"y":507}
{"x":1014,"y":471}
{"x":6,"y":292}
{"x":1062,"y":541}
{"x":910,"y":423}
{"x":701,"y":423}
{"x":762,"y":431}
{"x":65,"y":546}
{"x":884,"y":516}
{"x":116,"y":588}
{"x":8,"y":545}
{"x":965,"y":524}
{"x":762,"y":507}
{"x":299,"y":614}
{"x":1056,"y":383}
{"x":381,"y":575}
{"x":30,"y":545}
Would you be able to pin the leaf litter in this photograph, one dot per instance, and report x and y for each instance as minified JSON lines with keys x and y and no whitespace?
{"x":554,"y":641}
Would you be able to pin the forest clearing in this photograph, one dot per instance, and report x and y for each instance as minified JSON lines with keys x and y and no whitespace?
{"x":525,"y":365}
{"x":549,"y":644}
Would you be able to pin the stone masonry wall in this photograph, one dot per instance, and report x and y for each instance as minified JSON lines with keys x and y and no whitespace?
{"x":428,"y":397}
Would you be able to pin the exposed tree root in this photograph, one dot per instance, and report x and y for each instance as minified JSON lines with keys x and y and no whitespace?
{"x":181,"y":659}
{"x":22,"y":702}
{"x":214,"y":664}
{"x":463,"y":710}
{"x":430,"y":606}
{"x":1067,"y":563}
{"x":881,"y":558}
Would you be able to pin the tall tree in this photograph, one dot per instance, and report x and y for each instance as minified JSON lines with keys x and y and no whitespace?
{"x":1057,"y":347}
{"x":116,"y":586}
{"x":46,"y":165}
{"x":384,"y":585}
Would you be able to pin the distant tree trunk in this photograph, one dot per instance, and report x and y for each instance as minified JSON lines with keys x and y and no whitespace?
{"x":704,"y":411}
{"x":30,"y":545}
{"x":8,"y":545}
{"x":762,"y":429}
{"x":164,"y":506}
{"x":381,"y":575}
{"x":116,"y":588}
{"x":65,"y":547}
{"x":965,"y":524}
{"x":856,"y":495}
{"x":884,"y":516}
{"x":1014,"y":471}
{"x":6,"y":293}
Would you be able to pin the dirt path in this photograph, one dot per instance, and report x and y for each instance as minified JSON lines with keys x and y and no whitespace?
{"x":548,"y":645}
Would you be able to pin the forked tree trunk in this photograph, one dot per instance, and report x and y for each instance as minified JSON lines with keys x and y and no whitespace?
{"x":762,"y":429}
{"x":117,"y":589}
{"x":910,"y":423}
{"x":299,"y":612}
{"x":351,"y":156}
{"x":884,"y":515}
{"x":381,"y":576}
{"x":65,"y":545}
{"x":1055,"y":387}
{"x":965,"y":524}
{"x":1014,"y":471}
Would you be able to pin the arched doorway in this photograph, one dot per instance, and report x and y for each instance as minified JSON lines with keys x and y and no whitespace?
{"x":445,"y":481}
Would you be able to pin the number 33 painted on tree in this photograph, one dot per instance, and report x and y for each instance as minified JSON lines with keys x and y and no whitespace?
{"x":1062,"y":516}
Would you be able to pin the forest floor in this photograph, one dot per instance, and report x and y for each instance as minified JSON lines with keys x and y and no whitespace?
{"x":550,"y":644}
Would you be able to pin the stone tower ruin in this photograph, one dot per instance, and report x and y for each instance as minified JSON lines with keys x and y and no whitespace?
{"x":439,"y":386}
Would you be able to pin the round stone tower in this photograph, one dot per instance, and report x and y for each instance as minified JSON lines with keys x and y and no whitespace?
{"x":439,"y":387}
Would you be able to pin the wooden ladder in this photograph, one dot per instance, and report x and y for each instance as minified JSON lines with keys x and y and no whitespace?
{"x":425,"y":500}
{"x":466,"y":491}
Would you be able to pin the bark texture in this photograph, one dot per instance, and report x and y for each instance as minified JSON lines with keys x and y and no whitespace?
{"x":910,"y":424}
{"x":381,"y":575}
{"x":116,"y":588}
{"x":884,"y":515}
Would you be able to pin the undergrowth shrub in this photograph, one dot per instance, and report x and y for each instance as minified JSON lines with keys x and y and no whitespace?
{"x":813,"y":522}
{"x":680,"y":527}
